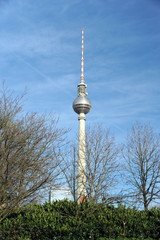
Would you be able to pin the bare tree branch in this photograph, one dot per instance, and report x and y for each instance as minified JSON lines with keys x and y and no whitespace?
{"x":101,"y":165}
{"x":142,"y":157}
{"x":30,"y":153}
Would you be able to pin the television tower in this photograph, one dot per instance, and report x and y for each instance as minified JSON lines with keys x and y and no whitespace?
{"x":82,"y":106}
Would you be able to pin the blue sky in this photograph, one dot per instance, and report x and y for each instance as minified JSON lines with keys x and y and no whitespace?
{"x":40,"y":49}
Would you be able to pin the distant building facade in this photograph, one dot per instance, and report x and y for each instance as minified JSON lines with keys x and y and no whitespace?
{"x":60,"y":193}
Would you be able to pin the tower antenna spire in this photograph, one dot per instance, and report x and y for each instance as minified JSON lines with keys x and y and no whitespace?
{"x":82,"y":57}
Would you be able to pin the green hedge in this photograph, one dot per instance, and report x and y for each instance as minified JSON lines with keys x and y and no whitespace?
{"x":69,"y":220}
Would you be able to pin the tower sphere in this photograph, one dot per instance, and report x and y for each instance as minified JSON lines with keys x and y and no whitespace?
{"x":81,"y":105}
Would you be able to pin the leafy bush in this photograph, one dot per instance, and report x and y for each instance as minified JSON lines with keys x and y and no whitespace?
{"x":71,"y":221}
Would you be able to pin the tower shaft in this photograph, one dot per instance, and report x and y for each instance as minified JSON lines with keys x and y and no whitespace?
{"x":81,"y":191}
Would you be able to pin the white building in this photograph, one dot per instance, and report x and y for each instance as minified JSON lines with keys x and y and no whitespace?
{"x":60,"y":193}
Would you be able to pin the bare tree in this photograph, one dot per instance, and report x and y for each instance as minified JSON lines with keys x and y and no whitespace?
{"x":30,"y":153}
{"x":69,"y":168}
{"x":142,"y":157}
{"x":101,"y":166}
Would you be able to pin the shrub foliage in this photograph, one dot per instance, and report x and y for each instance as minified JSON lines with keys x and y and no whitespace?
{"x":69,"y":220}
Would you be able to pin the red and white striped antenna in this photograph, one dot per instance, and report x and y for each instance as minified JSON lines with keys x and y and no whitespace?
{"x":82,"y":58}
